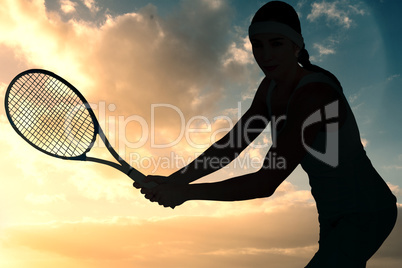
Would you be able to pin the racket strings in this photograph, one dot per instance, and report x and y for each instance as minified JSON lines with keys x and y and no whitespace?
{"x":50,"y":115}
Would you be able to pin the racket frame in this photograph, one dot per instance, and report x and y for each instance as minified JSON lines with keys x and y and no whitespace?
{"x":124,"y":166}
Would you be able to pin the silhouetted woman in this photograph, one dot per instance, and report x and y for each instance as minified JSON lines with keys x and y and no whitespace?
{"x":312,"y":125}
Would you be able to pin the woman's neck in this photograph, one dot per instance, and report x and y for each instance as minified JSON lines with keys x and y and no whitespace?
{"x":288,"y":83}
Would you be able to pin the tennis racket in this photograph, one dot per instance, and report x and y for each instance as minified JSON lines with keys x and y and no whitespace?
{"x":54,"y":117}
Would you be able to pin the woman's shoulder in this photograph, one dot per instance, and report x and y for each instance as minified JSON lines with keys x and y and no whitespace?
{"x":314,"y":87}
{"x":318,"y":80}
{"x":317,"y":90}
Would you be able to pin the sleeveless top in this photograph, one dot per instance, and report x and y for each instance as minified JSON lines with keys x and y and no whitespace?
{"x":350,"y":186}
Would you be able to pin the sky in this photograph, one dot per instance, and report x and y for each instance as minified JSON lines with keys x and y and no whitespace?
{"x":166,"y":79}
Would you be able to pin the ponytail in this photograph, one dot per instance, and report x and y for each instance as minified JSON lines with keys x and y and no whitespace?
{"x":304,"y":60}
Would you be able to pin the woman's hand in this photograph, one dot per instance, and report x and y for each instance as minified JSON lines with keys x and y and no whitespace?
{"x":156,"y":179}
{"x":167,"y":193}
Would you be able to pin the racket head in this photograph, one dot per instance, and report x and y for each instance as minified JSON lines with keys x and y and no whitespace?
{"x":51,"y":114}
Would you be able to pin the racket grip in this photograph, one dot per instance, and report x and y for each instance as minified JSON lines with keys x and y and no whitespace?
{"x":137,"y":176}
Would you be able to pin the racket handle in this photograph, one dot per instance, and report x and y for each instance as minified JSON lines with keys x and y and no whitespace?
{"x":137,"y":176}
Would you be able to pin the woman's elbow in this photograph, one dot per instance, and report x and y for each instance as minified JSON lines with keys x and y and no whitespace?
{"x":267,"y":183}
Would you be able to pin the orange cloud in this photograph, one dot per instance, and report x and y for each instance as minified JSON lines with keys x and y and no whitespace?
{"x":136,"y":60}
{"x":181,"y":241}
{"x":249,"y":240}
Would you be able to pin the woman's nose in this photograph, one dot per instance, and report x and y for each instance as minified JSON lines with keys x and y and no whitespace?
{"x":267,"y":54}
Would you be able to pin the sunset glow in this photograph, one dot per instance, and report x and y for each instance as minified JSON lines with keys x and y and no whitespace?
{"x":165,"y":82}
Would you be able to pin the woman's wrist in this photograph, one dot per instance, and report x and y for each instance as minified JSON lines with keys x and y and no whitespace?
{"x":177,"y":177}
{"x":187,"y":192}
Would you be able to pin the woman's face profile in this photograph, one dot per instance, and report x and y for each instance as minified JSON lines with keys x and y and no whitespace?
{"x":274,"y":53}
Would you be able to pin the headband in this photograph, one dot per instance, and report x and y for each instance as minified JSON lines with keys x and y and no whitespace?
{"x":276,"y":27}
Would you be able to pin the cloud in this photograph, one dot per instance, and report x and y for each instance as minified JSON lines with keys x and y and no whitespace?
{"x":152,"y":243}
{"x":91,"y":5}
{"x":141,"y":56}
{"x":67,"y":6}
{"x":353,"y":97}
{"x":392,"y":77}
{"x":395,"y":167}
{"x":324,"y":50}
{"x":241,"y":55}
{"x":44,"y":198}
{"x":365,"y":142}
{"x":396,"y":190}
{"x":148,"y":59}
{"x":298,"y":251}
{"x":214,"y":4}
{"x":163,"y":61}
{"x":91,"y":184}
{"x":339,"y":12}
{"x":135,"y":60}
{"x":286,"y":238}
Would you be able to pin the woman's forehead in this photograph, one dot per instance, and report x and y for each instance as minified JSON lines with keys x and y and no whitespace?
{"x":267,"y":37}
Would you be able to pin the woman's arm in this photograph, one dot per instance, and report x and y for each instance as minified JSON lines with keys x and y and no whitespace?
{"x":245,"y":187}
{"x":289,"y":151}
{"x":224,"y":151}
{"x":260,"y":184}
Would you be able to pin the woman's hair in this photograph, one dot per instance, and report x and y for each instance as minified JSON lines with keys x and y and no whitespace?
{"x":282,"y":12}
